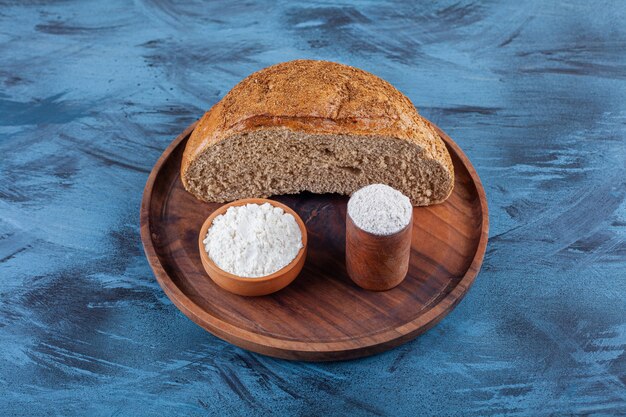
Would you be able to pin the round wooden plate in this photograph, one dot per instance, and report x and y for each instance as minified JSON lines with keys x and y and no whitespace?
{"x":322,"y":315}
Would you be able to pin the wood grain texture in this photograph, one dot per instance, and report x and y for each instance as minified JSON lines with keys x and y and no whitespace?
{"x":379,"y":263}
{"x":322,"y":315}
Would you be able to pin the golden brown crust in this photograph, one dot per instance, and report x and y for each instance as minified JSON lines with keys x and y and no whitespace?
{"x":316,"y":97}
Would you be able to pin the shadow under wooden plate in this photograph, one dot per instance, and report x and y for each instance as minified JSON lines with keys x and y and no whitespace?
{"x":322,"y":315}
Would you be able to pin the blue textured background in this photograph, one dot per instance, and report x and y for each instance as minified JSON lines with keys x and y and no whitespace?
{"x":93,"y":91}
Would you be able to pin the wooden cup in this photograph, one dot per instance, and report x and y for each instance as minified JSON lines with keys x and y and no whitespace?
{"x":376,"y":262}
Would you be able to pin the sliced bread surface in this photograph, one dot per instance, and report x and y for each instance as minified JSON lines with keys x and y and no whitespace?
{"x":314,"y":126}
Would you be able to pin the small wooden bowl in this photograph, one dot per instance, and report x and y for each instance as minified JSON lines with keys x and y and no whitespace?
{"x":253,"y":286}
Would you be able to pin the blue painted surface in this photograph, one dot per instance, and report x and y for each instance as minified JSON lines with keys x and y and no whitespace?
{"x":92,"y":92}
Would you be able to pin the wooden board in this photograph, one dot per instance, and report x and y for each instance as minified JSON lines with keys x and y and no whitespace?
{"x":322,"y":315}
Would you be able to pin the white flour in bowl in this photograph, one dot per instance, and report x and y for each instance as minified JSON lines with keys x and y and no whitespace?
{"x":380,"y":209}
{"x":254,"y":240}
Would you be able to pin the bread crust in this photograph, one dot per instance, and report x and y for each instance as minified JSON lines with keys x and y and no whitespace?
{"x":316,"y":97}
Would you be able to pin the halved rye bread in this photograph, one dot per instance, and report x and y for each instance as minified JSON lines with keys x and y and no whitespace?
{"x":317,"y":126}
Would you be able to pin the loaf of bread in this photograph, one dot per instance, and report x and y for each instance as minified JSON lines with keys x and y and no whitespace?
{"x":317,"y":126}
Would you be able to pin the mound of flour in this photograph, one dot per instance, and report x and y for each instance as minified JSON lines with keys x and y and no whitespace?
{"x":380,"y":209}
{"x":254,"y":240}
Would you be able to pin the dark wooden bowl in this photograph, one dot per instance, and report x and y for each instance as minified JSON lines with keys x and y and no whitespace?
{"x":322,"y":315}
{"x":252,"y":286}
